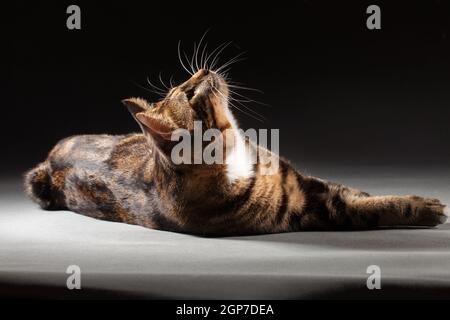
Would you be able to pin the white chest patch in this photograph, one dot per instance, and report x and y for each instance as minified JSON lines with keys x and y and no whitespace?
{"x":239,"y":161}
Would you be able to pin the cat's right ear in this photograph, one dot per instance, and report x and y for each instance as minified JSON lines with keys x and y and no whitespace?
{"x":135,"y":106}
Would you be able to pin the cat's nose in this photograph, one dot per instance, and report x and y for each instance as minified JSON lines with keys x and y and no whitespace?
{"x":195,"y":80}
{"x":201,"y":73}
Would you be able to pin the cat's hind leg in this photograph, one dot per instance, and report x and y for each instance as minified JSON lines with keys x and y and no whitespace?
{"x":389,"y":211}
{"x":39,"y":187}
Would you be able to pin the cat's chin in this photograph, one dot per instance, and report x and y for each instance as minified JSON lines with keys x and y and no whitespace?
{"x":219,"y":83}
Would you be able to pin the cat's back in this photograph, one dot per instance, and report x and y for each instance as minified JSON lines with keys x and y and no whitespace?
{"x":93,"y":160}
{"x":130,"y":153}
{"x":91,"y":151}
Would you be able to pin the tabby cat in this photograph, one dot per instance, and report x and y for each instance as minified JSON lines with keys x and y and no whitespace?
{"x":131,"y":179}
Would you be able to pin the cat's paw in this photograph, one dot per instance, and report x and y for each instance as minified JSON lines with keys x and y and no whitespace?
{"x":428,"y":211}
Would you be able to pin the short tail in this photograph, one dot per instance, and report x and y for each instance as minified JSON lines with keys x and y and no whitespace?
{"x":38,"y":185}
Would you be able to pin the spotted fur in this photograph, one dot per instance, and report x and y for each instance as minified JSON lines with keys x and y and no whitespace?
{"x":131,"y":179}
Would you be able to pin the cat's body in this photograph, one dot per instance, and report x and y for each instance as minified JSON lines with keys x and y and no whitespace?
{"x":131,"y":179}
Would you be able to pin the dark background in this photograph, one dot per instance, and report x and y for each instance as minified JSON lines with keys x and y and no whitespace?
{"x":339,"y":93}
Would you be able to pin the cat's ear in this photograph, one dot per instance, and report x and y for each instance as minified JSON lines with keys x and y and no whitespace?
{"x":136,"y":105}
{"x":157,"y":127}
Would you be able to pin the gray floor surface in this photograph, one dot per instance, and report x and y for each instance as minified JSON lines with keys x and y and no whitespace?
{"x":124,"y":261}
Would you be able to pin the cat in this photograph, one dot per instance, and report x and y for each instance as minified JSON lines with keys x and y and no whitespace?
{"x":132,"y":179}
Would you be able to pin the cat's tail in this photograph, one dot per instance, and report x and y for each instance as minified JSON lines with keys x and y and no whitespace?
{"x":38,"y":185}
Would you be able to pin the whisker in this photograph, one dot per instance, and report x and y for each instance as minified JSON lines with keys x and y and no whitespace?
{"x":147,"y":89}
{"x":247,"y":113}
{"x":192,"y":58}
{"x":209,"y":56}
{"x":240,"y":100}
{"x":202,"y":61}
{"x":251,"y":110}
{"x":252,"y":113}
{"x":225,"y":76}
{"x":180,"y":59}
{"x":245,"y":88}
{"x":224,"y":73}
{"x":162,"y":82}
{"x":190,"y":64}
{"x":216,"y":56}
{"x":241,"y":103}
{"x":162,"y":91}
{"x":231,"y":61}
{"x":198,"y":50}
{"x":249,"y":99}
{"x":245,"y":99}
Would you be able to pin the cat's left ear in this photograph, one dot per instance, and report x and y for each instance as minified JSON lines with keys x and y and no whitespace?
{"x":135,"y":106}
{"x":157,"y":127}
{"x":151,"y":125}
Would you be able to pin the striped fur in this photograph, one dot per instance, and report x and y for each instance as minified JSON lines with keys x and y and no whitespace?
{"x":131,"y":179}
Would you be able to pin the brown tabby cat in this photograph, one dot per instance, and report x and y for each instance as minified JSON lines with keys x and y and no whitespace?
{"x":132,"y":179}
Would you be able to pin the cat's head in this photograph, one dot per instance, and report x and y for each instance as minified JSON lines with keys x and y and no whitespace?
{"x":203,"y":98}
